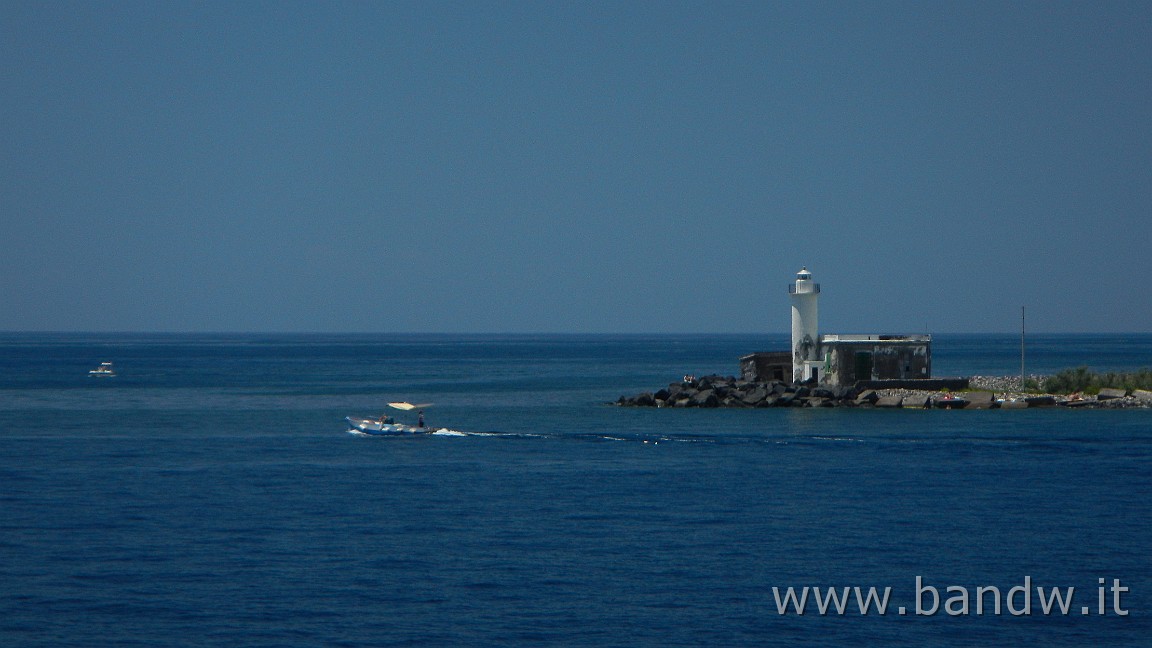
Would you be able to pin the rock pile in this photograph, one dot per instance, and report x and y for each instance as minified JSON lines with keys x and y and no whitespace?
{"x":989,"y":392}
{"x":1113,"y":399}
{"x":1002,"y":384}
{"x":726,"y":391}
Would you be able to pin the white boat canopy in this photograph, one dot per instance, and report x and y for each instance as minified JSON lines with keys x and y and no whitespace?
{"x":408,"y":406}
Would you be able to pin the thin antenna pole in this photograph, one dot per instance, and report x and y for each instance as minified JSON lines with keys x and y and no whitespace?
{"x":1021,"y":348}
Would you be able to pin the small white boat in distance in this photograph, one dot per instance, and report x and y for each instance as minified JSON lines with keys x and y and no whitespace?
{"x":386,"y":425}
{"x":103,"y":371}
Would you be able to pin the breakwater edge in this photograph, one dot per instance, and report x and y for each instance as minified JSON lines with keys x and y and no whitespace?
{"x":976,"y":392}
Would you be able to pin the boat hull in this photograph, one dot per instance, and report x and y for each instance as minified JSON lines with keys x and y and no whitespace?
{"x":378,"y":427}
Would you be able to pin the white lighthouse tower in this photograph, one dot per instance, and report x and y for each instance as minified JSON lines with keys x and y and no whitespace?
{"x":805,"y":338}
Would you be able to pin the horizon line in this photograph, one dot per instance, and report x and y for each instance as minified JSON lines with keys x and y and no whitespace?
{"x":1015,"y":333}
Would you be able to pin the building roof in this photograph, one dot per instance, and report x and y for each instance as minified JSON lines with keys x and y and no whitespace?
{"x":872,"y":338}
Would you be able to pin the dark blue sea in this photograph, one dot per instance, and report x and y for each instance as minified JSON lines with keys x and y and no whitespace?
{"x":210,"y":495}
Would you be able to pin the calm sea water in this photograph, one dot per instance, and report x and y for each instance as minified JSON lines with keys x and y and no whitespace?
{"x":210,"y":495}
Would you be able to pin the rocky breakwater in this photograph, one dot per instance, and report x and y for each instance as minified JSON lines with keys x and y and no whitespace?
{"x":1112,"y":399}
{"x":1010,"y":394}
{"x":985,"y":392}
{"x":726,"y":391}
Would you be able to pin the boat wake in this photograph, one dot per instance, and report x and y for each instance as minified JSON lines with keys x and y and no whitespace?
{"x":618,"y":437}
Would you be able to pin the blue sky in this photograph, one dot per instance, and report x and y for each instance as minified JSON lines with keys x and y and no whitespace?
{"x":574,"y":167}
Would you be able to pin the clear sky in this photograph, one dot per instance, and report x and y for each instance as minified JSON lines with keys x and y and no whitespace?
{"x":574,"y":166}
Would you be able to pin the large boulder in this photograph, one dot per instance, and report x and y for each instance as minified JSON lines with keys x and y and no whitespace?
{"x":755,"y":396}
{"x":890,"y":401}
{"x":644,"y":400}
{"x":919,"y":401}
{"x":704,"y":398}
{"x":769,"y":401}
{"x":714,"y":381}
{"x":844,"y":392}
{"x":1109,"y":394}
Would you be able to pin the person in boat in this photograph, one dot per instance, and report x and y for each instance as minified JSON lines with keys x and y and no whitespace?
{"x":420,"y":421}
